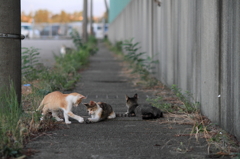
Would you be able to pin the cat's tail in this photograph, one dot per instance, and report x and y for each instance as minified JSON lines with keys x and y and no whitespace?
{"x":125,"y":115}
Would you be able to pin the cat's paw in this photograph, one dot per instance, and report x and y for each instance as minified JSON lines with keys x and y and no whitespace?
{"x":87,"y":121}
{"x":81,"y":120}
{"x":59,"y":119}
{"x":68,"y":122}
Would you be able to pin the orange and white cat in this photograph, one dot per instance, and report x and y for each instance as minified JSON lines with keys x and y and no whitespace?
{"x":99,"y":111}
{"x":54,"y":101}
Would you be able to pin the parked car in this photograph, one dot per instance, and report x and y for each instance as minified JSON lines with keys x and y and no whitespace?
{"x":51,"y":30}
{"x":28,"y":32}
{"x":101,"y":30}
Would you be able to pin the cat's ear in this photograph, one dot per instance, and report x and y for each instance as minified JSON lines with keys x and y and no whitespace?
{"x":82,"y":97}
{"x":91,"y":103}
{"x":126,"y":97}
{"x":100,"y":104}
{"x":86,"y":104}
{"x":136,"y":96}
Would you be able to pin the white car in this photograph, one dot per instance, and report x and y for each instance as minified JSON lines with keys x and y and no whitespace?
{"x":100,"y":30}
{"x":26,"y":30}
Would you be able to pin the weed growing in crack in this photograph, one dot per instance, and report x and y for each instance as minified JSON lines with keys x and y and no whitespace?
{"x":116,"y":48}
{"x":159,"y":103}
{"x":90,"y":46}
{"x":189,"y":107}
{"x":139,"y":61}
{"x":185,"y":107}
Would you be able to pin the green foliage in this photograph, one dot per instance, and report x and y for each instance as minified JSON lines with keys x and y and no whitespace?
{"x":30,"y":64}
{"x":141,"y":64}
{"x":64,"y":74}
{"x":118,"y":45}
{"x":10,"y":114}
{"x":139,"y":61}
{"x":189,"y":107}
{"x":116,"y":48}
{"x":158,"y":103}
{"x":90,"y":46}
{"x":76,"y":39}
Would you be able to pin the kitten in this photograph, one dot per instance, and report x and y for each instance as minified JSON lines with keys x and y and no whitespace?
{"x":56,"y":100}
{"x":99,"y":111}
{"x":147,"y":111}
{"x":131,"y":103}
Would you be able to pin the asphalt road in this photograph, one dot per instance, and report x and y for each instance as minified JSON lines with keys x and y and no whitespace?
{"x":47,"y":48}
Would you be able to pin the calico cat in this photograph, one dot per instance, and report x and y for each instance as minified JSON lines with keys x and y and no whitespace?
{"x":147,"y":111}
{"x":99,"y":111}
{"x":57,"y":100}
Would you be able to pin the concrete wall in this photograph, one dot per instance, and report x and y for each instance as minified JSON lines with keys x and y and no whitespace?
{"x":197,"y":45}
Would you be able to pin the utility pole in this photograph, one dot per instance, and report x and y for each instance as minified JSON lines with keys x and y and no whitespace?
{"x":85,"y":21}
{"x":10,"y":45}
{"x":106,"y":6}
{"x":91,"y":18}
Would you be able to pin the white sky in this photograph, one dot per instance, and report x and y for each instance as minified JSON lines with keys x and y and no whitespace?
{"x":56,"y":6}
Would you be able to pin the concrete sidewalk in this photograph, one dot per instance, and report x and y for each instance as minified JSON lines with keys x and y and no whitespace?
{"x":120,"y":138}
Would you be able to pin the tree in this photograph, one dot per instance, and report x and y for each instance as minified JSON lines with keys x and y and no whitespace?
{"x":42,"y":16}
{"x":107,"y":11}
{"x":85,"y":21}
{"x":64,"y":17}
{"x":91,"y":17}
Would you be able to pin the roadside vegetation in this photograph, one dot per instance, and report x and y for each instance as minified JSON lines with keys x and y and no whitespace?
{"x":20,"y":123}
{"x":179,"y":107}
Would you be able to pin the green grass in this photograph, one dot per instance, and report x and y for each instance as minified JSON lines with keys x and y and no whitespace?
{"x":140,"y":63}
{"x":159,"y":103}
{"x":187,"y":107}
{"x":10,"y":131}
{"x":190,"y":106}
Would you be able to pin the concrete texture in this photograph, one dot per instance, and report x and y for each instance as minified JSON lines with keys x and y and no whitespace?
{"x":123,"y":137}
{"x":197,"y":45}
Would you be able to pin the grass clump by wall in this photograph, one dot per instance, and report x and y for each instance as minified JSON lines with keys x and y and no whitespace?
{"x":140,"y":63}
